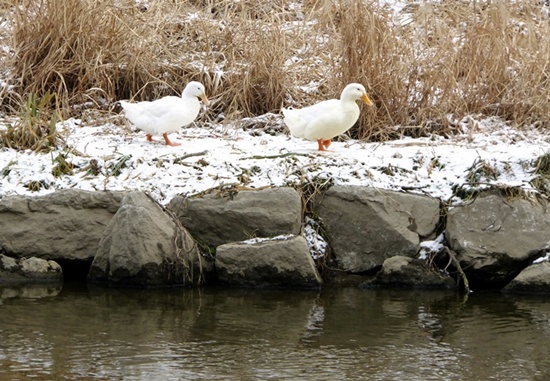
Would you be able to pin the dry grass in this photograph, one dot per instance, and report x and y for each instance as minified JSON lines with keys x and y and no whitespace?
{"x":541,"y":181}
{"x":35,"y":127}
{"x":449,"y":59}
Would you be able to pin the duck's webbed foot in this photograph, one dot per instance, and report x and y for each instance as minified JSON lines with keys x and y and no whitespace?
{"x":323,"y":144}
{"x":168,"y":142}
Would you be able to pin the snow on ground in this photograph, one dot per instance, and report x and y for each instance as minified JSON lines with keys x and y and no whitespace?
{"x":115,"y":157}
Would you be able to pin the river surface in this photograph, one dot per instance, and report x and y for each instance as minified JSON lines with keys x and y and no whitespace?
{"x":75,"y":332}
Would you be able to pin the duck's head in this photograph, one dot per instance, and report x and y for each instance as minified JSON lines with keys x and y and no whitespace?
{"x":196,"y":89}
{"x":355,"y":91}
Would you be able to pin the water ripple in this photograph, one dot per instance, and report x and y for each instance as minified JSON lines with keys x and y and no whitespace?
{"x":343,"y":334}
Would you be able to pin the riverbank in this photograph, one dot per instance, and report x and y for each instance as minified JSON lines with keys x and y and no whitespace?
{"x":486,"y":153}
{"x":377,"y":237}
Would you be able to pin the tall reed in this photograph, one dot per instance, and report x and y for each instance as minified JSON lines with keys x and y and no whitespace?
{"x":424,"y":66}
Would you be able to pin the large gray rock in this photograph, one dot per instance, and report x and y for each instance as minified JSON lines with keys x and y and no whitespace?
{"x":410,"y":273}
{"x":278,"y":262}
{"x":144,"y":246}
{"x":533,"y":279}
{"x":66,"y":224}
{"x":28,"y":271}
{"x":365,"y":226}
{"x":214,"y":220}
{"x":495,"y":238}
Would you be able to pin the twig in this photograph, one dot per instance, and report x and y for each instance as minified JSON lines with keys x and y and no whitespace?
{"x":192,"y":154}
{"x":276,"y":156}
{"x":452,"y":257}
{"x":227,"y":187}
{"x":411,"y":187}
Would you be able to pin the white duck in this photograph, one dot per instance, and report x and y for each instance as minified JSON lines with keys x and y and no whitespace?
{"x":327,"y":119}
{"x":166,"y":115}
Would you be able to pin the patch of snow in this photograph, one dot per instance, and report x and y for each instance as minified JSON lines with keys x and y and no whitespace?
{"x":546,"y":258}
{"x":217,"y":155}
{"x":317,"y":244}
{"x":282,"y":237}
{"x":431,"y":247}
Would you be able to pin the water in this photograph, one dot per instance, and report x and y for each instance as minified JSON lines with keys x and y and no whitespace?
{"x":81,"y":333}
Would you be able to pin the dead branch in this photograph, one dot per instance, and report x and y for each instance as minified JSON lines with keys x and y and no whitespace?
{"x":452,"y":257}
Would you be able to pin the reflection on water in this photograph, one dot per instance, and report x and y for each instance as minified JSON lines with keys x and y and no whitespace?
{"x":77,"y":333}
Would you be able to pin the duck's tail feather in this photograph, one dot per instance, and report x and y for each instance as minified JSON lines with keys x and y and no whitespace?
{"x":295,"y":123}
{"x":125,"y":105}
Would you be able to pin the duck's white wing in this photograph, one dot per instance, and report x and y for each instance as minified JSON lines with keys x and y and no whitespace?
{"x":324,"y":120}
{"x":163,"y":115}
{"x":137,"y":114}
{"x":160,"y":107}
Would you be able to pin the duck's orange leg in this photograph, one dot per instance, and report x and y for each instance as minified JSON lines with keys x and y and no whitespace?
{"x":323,"y":144}
{"x":149,"y":137}
{"x":168,"y":142}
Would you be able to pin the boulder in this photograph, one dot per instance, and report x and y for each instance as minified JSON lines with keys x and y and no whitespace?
{"x":214,"y":219}
{"x":533,"y":279}
{"x":28,"y":271}
{"x":495,"y":237}
{"x":66,"y":224}
{"x":278,"y":262}
{"x":144,"y":246}
{"x":411,"y":273}
{"x":365,"y":225}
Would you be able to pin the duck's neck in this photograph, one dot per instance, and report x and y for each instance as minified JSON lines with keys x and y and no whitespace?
{"x":347,"y":98}
{"x":348,"y":102}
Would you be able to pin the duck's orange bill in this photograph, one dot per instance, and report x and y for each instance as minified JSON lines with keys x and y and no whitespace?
{"x":366,"y":99}
{"x":205,"y":99}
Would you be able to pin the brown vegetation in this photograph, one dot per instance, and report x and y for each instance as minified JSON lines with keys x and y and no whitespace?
{"x":444,"y":61}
